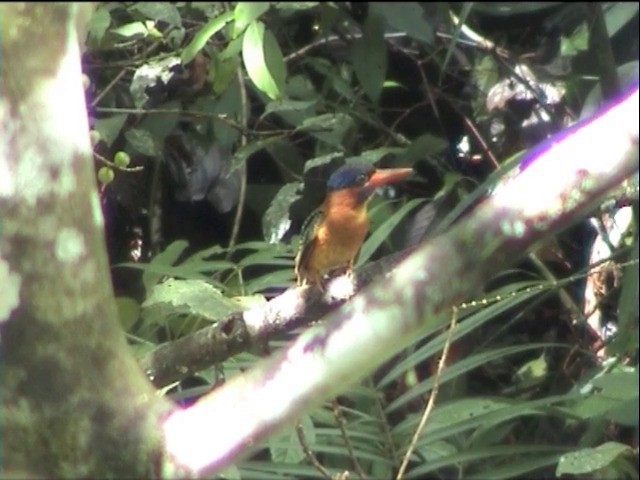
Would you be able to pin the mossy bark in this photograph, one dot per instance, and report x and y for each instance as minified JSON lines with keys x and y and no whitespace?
{"x":74,"y":401}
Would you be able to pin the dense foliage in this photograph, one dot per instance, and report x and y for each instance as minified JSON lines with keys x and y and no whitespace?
{"x":215,"y":127}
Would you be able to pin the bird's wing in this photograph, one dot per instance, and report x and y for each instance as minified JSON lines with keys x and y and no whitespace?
{"x":307,"y":242}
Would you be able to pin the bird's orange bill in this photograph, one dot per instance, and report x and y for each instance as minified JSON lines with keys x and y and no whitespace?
{"x":386,"y":176}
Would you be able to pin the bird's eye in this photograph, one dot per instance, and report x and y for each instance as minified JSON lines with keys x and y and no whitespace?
{"x":361,"y":179}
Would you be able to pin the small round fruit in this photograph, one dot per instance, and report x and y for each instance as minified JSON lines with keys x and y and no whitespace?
{"x":122,"y":159}
{"x":94,"y":136}
{"x":105,"y":175}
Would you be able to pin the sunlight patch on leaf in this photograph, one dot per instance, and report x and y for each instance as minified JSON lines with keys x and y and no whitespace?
{"x":201,"y":38}
{"x":589,"y":460}
{"x":276,"y":220}
{"x":263,"y":60}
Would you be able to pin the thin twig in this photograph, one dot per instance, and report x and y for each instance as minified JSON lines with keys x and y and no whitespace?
{"x":432,"y":397}
{"x":311,"y":458}
{"x":108,"y":87}
{"x":335,"y":406}
{"x":116,"y":167}
{"x":483,"y":144}
{"x":243,"y":168}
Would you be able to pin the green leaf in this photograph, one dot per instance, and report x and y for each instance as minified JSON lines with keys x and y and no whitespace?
{"x":276,"y":221}
{"x":246,"y":13}
{"x":589,"y":460}
{"x":288,"y":105}
{"x":618,"y":14}
{"x":369,"y":56}
{"x":263,"y":60}
{"x":243,"y":153}
{"x":100,"y":21}
{"x":186,"y":297}
{"x":286,"y":448}
{"x":128,"y":312}
{"x":229,"y":473}
{"x":382,"y":233}
{"x":408,"y":18}
{"x":142,"y":141}
{"x":424,"y":146}
{"x":159,"y":11}
{"x":131,"y":30}
{"x":372,"y":156}
{"x":165,"y":258}
{"x":200,"y":39}
{"x":610,"y":396}
{"x":223,"y":72}
{"x":282,"y":278}
{"x":508,"y":470}
{"x":295,"y":5}
{"x":332,"y":128}
{"x":110,"y":127}
{"x":577,"y":42}
{"x":459,"y":368}
{"x":626,"y":339}
{"x":482,"y":455}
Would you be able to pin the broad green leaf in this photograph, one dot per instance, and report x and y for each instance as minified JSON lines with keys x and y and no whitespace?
{"x":222,"y":73}
{"x":100,"y":21}
{"x":369,"y":56}
{"x":110,"y":127}
{"x":408,"y":17}
{"x":228,"y":104}
{"x":159,"y":11}
{"x":142,"y":141}
{"x":276,"y":221}
{"x":288,"y":105}
{"x":263,"y":60}
{"x":200,"y":39}
{"x":589,"y":460}
{"x":131,"y":30}
{"x":190,"y":297}
{"x":245,"y":13}
{"x":128,"y":312}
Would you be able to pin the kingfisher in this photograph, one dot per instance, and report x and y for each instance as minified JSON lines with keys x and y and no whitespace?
{"x":332,"y":236}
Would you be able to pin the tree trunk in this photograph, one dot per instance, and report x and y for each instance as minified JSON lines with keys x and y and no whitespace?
{"x":74,"y":401}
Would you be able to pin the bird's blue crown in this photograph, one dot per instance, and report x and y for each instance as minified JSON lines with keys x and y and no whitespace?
{"x":349,"y":176}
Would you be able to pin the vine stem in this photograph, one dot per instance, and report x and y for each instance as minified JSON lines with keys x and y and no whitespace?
{"x":432,"y":397}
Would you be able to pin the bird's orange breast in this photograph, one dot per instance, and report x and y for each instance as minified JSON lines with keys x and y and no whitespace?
{"x":337,"y":237}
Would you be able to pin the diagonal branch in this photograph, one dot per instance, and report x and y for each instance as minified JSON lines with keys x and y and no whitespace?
{"x":242,"y":330}
{"x":557,"y":184}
